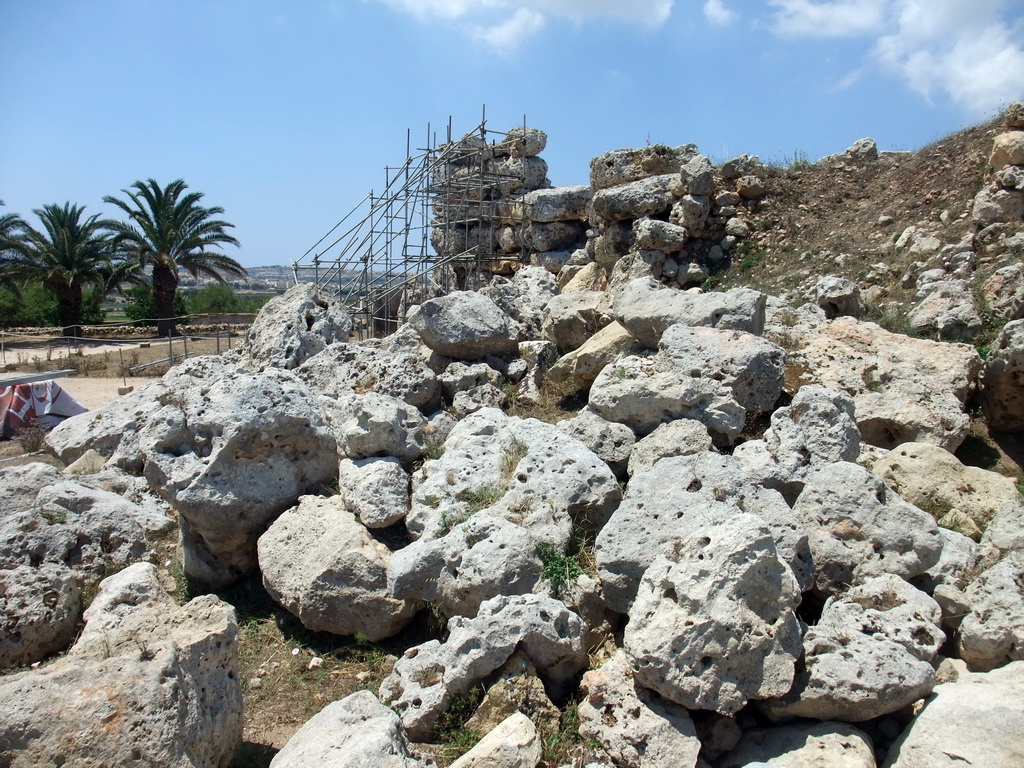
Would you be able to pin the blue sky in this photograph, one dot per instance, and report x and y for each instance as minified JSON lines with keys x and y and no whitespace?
{"x":285,"y":113}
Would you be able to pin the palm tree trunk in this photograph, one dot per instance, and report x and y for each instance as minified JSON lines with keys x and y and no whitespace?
{"x":69,"y":309}
{"x":165,"y":284}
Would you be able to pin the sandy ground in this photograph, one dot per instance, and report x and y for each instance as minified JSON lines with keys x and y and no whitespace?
{"x":93,"y":391}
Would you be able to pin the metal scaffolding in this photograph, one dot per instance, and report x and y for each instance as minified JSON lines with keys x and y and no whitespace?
{"x":433,"y":229}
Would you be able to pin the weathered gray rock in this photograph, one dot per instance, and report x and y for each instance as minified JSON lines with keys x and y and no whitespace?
{"x":697,"y":176}
{"x":816,"y":428}
{"x":610,"y":441}
{"x":38,"y":612}
{"x":838,"y":296}
{"x":325,"y":568}
{"x":993,"y":205}
{"x":656,"y":235}
{"x":343,"y":369}
{"x":668,"y":504}
{"x":713,"y":625}
{"x":807,"y":745}
{"x":459,"y":377}
{"x":522,"y":141}
{"x":959,"y":497}
{"x":231,"y":457}
{"x":524,"y":297}
{"x":474,"y":399}
{"x":859,"y":528}
{"x":557,"y":236}
{"x":465,"y":325}
{"x":636,"y":728}
{"x":949,"y":311}
{"x":515,"y":743}
{"x":127,"y":592}
{"x":558,"y":203}
{"x":1007,"y":149}
{"x":1004,"y":292}
{"x":375,"y":490}
{"x":355,"y":731}
{"x":691,"y":213}
{"x":750,"y":187}
{"x":159,"y":688}
{"x":904,"y":389}
{"x":572,"y":318}
{"x":293,"y":327}
{"x":646,"y":309}
{"x":887,"y":606}
{"x":476,"y":560}
{"x":675,"y":438}
{"x":517,"y":689}
{"x":741,"y":165}
{"x":752,"y":367}
{"x":1002,"y":385}
{"x":378,"y":425}
{"x":580,"y":367}
{"x":977,"y":720}
{"x":993,"y":634}
{"x":958,"y":560}
{"x":537,"y":356}
{"x":621,"y":166}
{"x":423,"y":681}
{"x":521,"y":470}
{"x":850,"y":676}
{"x":645,"y":197}
{"x":645,"y":392}
{"x":1004,"y":535}
{"x":114,"y":427}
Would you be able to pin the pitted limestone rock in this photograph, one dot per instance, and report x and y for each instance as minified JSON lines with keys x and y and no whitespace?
{"x":426,"y":678}
{"x":343,"y":369}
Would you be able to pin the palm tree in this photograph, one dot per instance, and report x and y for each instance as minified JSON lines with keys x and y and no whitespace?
{"x":68,"y":255}
{"x":12,"y":247}
{"x":168,"y":230}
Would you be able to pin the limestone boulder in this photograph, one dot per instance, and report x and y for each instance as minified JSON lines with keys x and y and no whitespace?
{"x":293,"y":327}
{"x":817,"y":428}
{"x":621,"y":166}
{"x":713,"y":624}
{"x":590,"y":277}
{"x":645,"y":197}
{"x":523,"y":142}
{"x":1004,"y":535}
{"x":524,"y":297}
{"x":1004,"y":292}
{"x":427,"y":676}
{"x":113,"y":428}
{"x":644,"y":392}
{"x":697,"y":176}
{"x":515,"y":743}
{"x":343,"y":369}
{"x":517,"y":689}
{"x":691,"y":213}
{"x":949,"y":311}
{"x":521,"y":470}
{"x":558,"y":203}
{"x":992,"y":635}
{"x":656,"y":235}
{"x":356,"y":730}
{"x":557,"y":236}
{"x":580,"y":367}
{"x":850,"y":676}
{"x":859,"y":528}
{"x":231,"y":457}
{"x":375,"y":490}
{"x":476,"y":560}
{"x":1002,"y":384}
{"x":636,"y":727}
{"x":904,"y":389}
{"x":675,"y":438}
{"x":612,"y":442}
{"x":39,"y":607}
{"x":371,"y":424}
{"x":667,"y":505}
{"x":960,"y":497}
{"x":572,"y":318}
{"x":994,"y":205}
{"x":1007,"y":149}
{"x":838,"y":296}
{"x":976,"y":720}
{"x":752,"y":367}
{"x":466,"y":326}
{"x":160,"y":688}
{"x":806,"y":745}
{"x":325,"y":568}
{"x":646,"y":310}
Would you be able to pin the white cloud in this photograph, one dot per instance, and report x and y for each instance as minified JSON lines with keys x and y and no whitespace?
{"x":716,"y":13}
{"x":506,"y":37}
{"x":973,"y":52}
{"x":504,"y":24}
{"x":838,"y":18}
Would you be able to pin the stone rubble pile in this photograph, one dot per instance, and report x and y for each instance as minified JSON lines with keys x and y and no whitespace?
{"x":831,"y":588}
